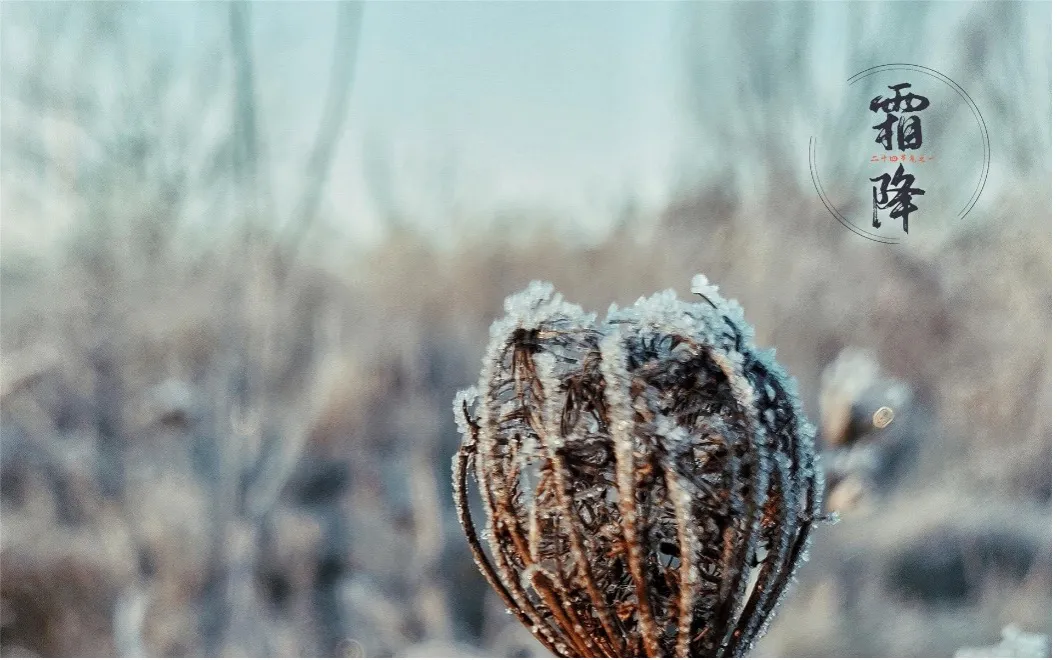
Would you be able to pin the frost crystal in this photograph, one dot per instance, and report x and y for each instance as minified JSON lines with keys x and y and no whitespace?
{"x":464,"y":401}
{"x":649,"y":482}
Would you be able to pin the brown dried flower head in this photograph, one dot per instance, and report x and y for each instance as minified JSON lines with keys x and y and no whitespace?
{"x":648,"y":482}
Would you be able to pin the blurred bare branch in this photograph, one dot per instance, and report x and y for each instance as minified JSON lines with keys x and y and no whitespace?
{"x":247,"y":157}
{"x":335,"y":111}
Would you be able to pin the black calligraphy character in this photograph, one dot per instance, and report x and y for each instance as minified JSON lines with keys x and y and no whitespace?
{"x":909,"y":134}
{"x":896,"y":192}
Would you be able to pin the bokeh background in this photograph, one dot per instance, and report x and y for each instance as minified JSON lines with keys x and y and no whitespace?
{"x":251,"y":250}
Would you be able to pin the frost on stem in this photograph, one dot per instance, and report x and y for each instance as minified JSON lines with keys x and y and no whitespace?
{"x":649,"y":482}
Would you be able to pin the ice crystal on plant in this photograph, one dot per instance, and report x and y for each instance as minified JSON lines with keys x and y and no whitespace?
{"x":649,"y":482}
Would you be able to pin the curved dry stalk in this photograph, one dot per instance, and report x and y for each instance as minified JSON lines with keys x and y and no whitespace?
{"x":571,"y":520}
{"x":621,"y":429}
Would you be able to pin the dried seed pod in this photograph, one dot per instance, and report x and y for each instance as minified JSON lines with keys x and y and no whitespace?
{"x":648,"y":483}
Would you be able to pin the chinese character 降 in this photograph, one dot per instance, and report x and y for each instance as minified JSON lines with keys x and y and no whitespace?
{"x":896,"y":192}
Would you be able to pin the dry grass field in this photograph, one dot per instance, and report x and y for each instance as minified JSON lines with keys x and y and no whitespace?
{"x":201,"y":458}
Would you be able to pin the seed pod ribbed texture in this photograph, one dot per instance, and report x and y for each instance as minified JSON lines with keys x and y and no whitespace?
{"x":648,"y":482}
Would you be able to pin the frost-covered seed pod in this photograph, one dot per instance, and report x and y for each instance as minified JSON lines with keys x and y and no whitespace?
{"x":649,"y":482}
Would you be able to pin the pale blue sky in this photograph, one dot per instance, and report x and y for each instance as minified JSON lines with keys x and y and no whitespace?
{"x":565,"y":110}
{"x":560,"y":106}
